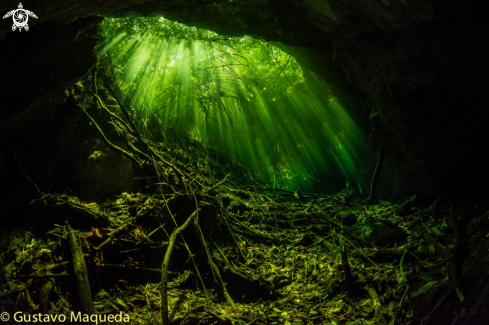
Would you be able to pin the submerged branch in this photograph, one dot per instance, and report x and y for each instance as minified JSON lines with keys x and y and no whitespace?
{"x":25,"y":174}
{"x":375,"y":177}
{"x":110,"y":144}
{"x":164,"y":268}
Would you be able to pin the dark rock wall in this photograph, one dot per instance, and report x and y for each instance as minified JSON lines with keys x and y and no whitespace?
{"x":44,"y":61}
{"x":422,"y":65}
{"x":428,"y":89}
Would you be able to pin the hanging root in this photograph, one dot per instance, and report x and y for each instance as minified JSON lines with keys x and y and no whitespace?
{"x":25,"y":174}
{"x":375,"y":178}
{"x":110,"y":144}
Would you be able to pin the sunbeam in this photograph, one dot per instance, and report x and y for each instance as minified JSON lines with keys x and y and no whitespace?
{"x":242,"y":97}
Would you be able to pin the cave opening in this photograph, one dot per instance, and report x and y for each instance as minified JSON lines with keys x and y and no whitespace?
{"x":237,"y":95}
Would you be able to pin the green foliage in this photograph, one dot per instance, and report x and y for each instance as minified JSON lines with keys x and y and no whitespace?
{"x":169,"y":69}
{"x":238,"y":95}
{"x":9,"y":243}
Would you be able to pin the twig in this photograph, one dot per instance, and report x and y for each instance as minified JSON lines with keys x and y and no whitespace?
{"x":232,"y":234}
{"x":346,"y":265}
{"x":136,"y":132}
{"x":114,"y":115}
{"x":157,"y":228}
{"x":19,"y":289}
{"x":230,"y":267}
{"x":359,"y":251}
{"x":218,"y":184}
{"x":164,"y":268}
{"x":405,"y":281}
{"x":318,"y":241}
{"x":53,"y":266}
{"x":254,"y":320}
{"x":325,"y":215}
{"x":129,"y":130}
{"x":37,"y":188}
{"x":112,"y":235}
{"x":213,"y":266}
{"x":128,"y":267}
{"x":401,"y":268}
{"x":37,"y":276}
{"x":403,"y":296}
{"x":375,"y":178}
{"x":193,"y":261}
{"x":110,"y":144}
{"x":183,"y":238}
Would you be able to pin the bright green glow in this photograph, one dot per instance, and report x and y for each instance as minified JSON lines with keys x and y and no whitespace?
{"x":242,"y":96}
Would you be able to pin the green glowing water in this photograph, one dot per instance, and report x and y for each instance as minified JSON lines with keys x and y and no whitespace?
{"x":244,"y":97}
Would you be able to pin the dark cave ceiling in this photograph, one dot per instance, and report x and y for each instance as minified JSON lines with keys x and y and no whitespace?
{"x":421,"y":66}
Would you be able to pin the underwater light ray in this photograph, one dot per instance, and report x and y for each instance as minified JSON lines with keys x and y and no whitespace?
{"x":137,"y":62}
{"x":221,"y":105}
{"x":106,"y":47}
{"x":243,"y":97}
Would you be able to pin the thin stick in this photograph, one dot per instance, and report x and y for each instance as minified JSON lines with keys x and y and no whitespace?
{"x":136,"y":132}
{"x":30,"y":180}
{"x":123,"y":110}
{"x":128,"y":267}
{"x":114,"y":115}
{"x":37,"y":276}
{"x":18,"y":289}
{"x":403,"y":296}
{"x":111,"y":237}
{"x":183,"y":238}
{"x":128,"y":129}
{"x":375,"y":178}
{"x":193,"y":261}
{"x":164,"y":268}
{"x":218,"y":184}
{"x":401,"y":268}
{"x":344,"y":261}
{"x":234,"y":238}
{"x":231,"y":267}
{"x":214,"y":268}
{"x":116,"y":148}
{"x":359,"y":251}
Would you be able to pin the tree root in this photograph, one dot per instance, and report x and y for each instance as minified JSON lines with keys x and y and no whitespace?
{"x":110,"y":144}
{"x":25,"y":174}
{"x":375,"y":177}
{"x":164,"y":268}
{"x":214,"y":268}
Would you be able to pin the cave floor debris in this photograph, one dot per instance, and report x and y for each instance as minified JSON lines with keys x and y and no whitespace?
{"x":281,"y":257}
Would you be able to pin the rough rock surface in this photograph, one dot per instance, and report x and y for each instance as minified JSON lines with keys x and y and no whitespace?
{"x":422,"y":65}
